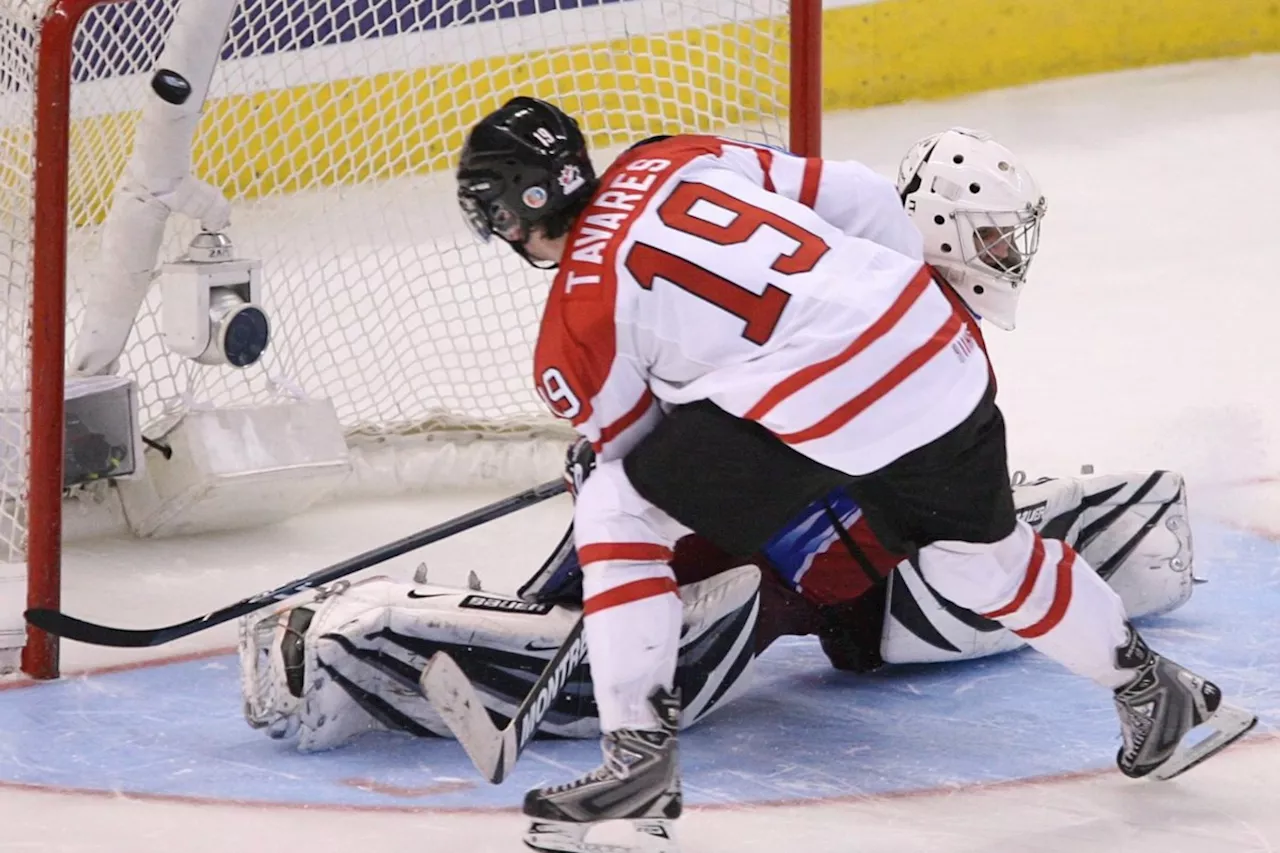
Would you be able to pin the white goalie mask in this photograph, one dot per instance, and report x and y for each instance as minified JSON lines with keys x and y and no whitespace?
{"x":979,"y":211}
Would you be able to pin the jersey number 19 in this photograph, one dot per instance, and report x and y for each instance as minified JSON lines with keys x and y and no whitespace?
{"x":759,"y":311}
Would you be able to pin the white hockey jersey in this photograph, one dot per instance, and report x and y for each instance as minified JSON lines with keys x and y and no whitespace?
{"x":785,"y":290}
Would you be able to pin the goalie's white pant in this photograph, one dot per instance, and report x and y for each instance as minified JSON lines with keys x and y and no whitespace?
{"x":1040,"y":589}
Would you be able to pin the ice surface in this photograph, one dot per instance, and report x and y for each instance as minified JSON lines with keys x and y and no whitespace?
{"x":1146,"y":340}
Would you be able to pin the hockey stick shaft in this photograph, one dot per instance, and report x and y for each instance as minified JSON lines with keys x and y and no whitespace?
{"x":456,"y":700}
{"x":60,"y":624}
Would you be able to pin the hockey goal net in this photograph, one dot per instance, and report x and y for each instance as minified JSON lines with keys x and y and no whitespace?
{"x":331,"y":128}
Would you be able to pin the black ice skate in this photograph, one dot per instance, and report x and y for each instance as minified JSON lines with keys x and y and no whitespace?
{"x":1160,"y":706}
{"x":639,"y":782}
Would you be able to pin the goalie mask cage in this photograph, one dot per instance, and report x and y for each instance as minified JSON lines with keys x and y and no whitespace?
{"x":331,"y":128}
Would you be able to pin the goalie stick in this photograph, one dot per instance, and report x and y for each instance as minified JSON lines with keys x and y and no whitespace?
{"x":60,"y":624}
{"x":456,"y":700}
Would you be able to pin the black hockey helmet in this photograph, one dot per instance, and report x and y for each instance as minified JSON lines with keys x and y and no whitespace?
{"x":524,"y":164}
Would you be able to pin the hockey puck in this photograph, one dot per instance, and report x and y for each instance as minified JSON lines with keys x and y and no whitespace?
{"x":171,"y":86}
{"x":1086,"y":469}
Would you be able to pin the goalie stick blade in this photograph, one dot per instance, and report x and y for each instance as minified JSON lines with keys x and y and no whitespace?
{"x":456,"y":700}
{"x":69,"y":627}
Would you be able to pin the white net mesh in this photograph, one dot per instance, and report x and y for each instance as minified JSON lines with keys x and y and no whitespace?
{"x":332,"y":126}
{"x":17,"y":65}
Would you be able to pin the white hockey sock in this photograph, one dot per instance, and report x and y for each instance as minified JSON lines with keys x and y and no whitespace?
{"x":633,"y":635}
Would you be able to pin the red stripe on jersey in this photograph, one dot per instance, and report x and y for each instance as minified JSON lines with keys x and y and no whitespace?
{"x":945,"y":334}
{"x":1061,"y":599}
{"x":1034,"y":565}
{"x":969,"y":320}
{"x":817,"y":370}
{"x":629,"y":592}
{"x":765,"y":156}
{"x":635,"y":551}
{"x":810,"y":182}
{"x":618,"y":427}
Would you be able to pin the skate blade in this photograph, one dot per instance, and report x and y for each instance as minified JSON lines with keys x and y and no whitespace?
{"x":564,"y":837}
{"x":1229,"y":724}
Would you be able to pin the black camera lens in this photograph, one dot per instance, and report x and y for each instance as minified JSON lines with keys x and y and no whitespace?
{"x":246,"y":336}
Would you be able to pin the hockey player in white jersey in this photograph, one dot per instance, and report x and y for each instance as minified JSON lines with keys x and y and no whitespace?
{"x":324,"y":670}
{"x":739,"y":331}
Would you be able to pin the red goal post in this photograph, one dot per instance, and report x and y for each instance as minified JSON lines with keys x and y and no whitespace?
{"x":74,"y":95}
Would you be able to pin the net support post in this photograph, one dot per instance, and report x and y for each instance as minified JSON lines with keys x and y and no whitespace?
{"x":52,"y":90}
{"x":806,"y":78}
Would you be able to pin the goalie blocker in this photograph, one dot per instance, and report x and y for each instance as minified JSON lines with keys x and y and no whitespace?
{"x":347,"y":661}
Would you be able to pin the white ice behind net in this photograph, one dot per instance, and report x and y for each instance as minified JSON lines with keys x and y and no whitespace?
{"x":331,"y":126}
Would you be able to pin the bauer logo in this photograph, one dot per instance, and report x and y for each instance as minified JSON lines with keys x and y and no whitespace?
{"x":1033,"y":514}
{"x":504,"y":605}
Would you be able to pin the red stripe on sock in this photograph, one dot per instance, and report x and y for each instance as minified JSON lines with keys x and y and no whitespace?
{"x":1028,"y":583}
{"x":636,"y":551}
{"x":1061,"y":599}
{"x":627,"y":593}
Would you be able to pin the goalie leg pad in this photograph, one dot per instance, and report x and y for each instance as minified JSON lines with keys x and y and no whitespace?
{"x":1134,"y":529}
{"x":366,"y":645}
{"x":328,"y":666}
{"x":717,"y":641}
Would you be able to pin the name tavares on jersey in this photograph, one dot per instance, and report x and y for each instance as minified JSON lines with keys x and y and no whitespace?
{"x":609,"y":213}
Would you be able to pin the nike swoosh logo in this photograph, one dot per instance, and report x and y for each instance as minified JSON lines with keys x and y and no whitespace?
{"x":415,"y":594}
{"x":534,"y":647}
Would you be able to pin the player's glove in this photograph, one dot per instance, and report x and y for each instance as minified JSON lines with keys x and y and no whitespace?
{"x":579,"y":462}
